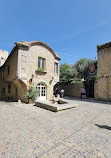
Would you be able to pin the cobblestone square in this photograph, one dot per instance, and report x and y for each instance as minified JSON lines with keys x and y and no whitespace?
{"x":28,"y":131}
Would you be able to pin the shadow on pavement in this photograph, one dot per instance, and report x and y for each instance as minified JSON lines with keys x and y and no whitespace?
{"x":103,"y":126}
{"x":86,"y":100}
{"x":8,"y":100}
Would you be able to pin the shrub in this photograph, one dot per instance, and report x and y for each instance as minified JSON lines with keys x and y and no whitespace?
{"x":32,"y":93}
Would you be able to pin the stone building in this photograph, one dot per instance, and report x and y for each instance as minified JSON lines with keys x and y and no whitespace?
{"x":103,"y":85}
{"x":3,"y":56}
{"x":29,"y":63}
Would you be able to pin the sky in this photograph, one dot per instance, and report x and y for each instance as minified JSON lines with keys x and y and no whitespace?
{"x":72,"y":28}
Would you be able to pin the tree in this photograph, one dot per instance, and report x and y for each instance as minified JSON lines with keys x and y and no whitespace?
{"x":82,"y":67}
{"x":67,"y":73}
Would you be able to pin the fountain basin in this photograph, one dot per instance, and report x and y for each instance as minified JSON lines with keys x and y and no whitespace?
{"x":57,"y":106}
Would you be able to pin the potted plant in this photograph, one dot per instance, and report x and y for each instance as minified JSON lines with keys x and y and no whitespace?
{"x":31,"y":94}
{"x":41,"y":69}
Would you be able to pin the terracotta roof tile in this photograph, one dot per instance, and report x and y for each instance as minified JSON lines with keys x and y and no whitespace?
{"x":106,"y":45}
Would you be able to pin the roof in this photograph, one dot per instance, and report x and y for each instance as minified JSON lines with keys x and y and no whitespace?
{"x":106,"y":45}
{"x":29,"y":44}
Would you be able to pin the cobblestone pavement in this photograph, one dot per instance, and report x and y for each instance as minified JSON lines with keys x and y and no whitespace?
{"x":28,"y":131}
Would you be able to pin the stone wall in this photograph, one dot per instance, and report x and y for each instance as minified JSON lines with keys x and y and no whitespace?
{"x":104,"y":62}
{"x":8,"y":73}
{"x":17,"y":91}
{"x":103,"y":89}
{"x":103,"y":85}
{"x":73,"y":90}
{"x":109,"y":88}
{"x":12,"y":65}
{"x":96,"y":90}
{"x":6,"y":94}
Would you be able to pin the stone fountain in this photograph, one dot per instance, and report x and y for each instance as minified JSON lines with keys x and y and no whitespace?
{"x":55,"y":104}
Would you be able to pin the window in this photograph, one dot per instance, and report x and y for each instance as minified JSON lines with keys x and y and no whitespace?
{"x":41,"y":62}
{"x":9,"y":88}
{"x":8,"y":70}
{"x":56,"y":68}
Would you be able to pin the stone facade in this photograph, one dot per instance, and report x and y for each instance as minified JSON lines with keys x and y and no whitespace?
{"x":103,"y":85}
{"x":21,"y":70}
{"x":3,"y":56}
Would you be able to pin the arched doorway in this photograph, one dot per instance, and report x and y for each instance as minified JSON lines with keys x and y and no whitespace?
{"x":42,"y":89}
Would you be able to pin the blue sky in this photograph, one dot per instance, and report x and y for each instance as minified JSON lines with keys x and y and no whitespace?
{"x":72,"y":28}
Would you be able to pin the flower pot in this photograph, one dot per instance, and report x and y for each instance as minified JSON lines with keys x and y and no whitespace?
{"x":31,"y":101}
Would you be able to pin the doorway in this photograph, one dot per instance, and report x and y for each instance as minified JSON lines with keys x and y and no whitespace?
{"x":42,"y":91}
{"x":89,"y":86}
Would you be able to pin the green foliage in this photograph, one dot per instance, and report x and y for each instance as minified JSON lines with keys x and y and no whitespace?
{"x":82,"y":67}
{"x":31,"y":93}
{"x":64,"y":67}
{"x":41,"y":68}
{"x":67,"y":73}
{"x":78,"y":82}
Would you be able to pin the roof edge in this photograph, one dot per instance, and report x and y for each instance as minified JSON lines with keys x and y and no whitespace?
{"x":106,"y":45}
{"x":32,"y":43}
